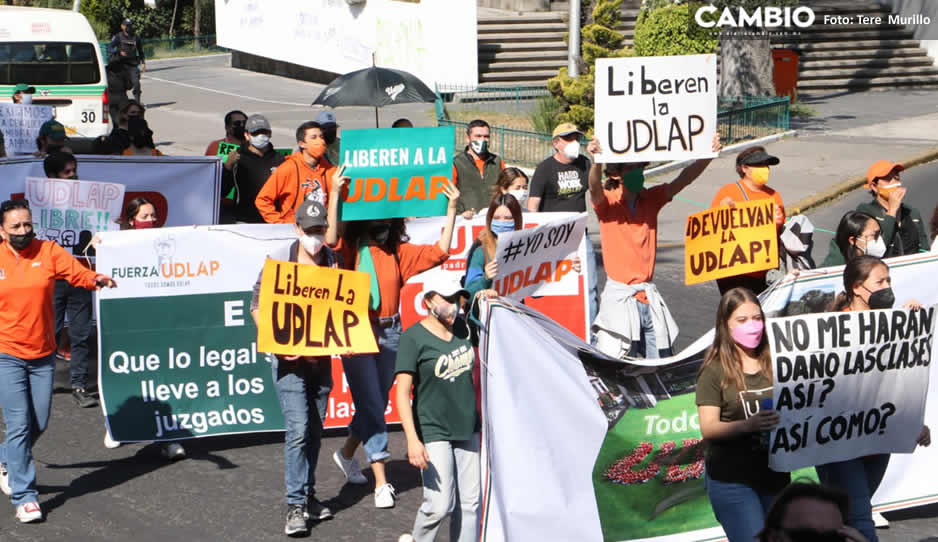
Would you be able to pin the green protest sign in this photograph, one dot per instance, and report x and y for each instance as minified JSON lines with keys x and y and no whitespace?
{"x":285,"y":152}
{"x":396,"y":172}
{"x":225,"y":148}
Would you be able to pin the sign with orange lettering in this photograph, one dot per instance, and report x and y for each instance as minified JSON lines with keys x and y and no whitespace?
{"x":396,"y":172}
{"x":729,"y":241}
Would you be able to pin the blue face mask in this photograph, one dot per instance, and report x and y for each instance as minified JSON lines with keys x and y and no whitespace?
{"x":502,"y":226}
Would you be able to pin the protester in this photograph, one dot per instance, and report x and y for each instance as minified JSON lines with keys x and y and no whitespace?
{"x":752,"y":167}
{"x":298,"y":381}
{"x":504,"y":215}
{"x":867,"y":286}
{"x":235,"y":133}
{"x":442,"y":427}
{"x":736,"y":376}
{"x":126,"y":59}
{"x":381,"y":249}
{"x":402,"y":123}
{"x":902,"y":226}
{"x":303,"y":175}
{"x":141,"y":139}
{"x":27,"y":345}
{"x":119,"y":139}
{"x":52,"y":138}
{"x":633,"y":318}
{"x":23,"y":94}
{"x":476,"y":169}
{"x":3,"y":146}
{"x":330,"y":131}
{"x":248,"y":167}
{"x":805,"y":511}
{"x":513,"y":181}
{"x":857,"y":234}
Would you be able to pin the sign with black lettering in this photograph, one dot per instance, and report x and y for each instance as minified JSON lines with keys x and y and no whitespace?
{"x":848,"y":384}
{"x":656,"y":108}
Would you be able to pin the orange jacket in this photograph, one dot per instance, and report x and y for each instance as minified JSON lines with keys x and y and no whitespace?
{"x":27,"y":281}
{"x":291,"y":183}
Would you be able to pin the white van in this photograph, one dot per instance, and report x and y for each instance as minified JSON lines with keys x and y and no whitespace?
{"x":55,"y":51}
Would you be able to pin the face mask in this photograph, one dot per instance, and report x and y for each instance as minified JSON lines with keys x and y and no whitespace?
{"x":317,"y":148}
{"x":144,"y":224}
{"x":73,"y":177}
{"x":237,"y":131}
{"x":749,"y":334}
{"x":572,"y":150}
{"x":480,"y":146}
{"x":885,"y":190}
{"x":876,"y":247}
{"x":759,"y":175}
{"x":330,"y":137}
{"x":881,"y":299}
{"x":21,"y":241}
{"x":312,"y":243}
{"x":634,"y":180}
{"x":260,"y":140}
{"x":446,"y":314}
{"x":502,"y":226}
{"x":521,"y":195}
{"x":26,"y":99}
{"x":380,"y":233}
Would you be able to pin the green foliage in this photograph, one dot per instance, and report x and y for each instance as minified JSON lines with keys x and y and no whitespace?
{"x":546,"y":113}
{"x":602,"y":36}
{"x":606,"y":12}
{"x":105,"y":17}
{"x":671,"y":30}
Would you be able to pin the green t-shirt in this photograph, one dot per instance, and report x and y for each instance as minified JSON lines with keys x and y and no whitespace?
{"x":444,"y":402}
{"x":743,"y":459}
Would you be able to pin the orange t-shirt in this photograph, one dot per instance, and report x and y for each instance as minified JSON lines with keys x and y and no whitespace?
{"x":212,"y":149}
{"x":480,"y":165}
{"x":27,"y":281}
{"x":280,"y":190}
{"x":413,"y":259}
{"x":629,"y":237}
{"x":733,"y":192}
{"x":128,"y":152}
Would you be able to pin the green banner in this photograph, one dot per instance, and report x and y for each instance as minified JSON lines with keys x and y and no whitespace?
{"x":396,"y":172}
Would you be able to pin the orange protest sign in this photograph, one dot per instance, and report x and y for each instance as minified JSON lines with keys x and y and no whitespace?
{"x":308,"y":310}
{"x":728,"y":241}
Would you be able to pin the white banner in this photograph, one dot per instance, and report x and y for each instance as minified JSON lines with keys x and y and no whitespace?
{"x":20,"y":126}
{"x":848,"y":384}
{"x":538,"y":261}
{"x":64,"y":208}
{"x":657,"y":108}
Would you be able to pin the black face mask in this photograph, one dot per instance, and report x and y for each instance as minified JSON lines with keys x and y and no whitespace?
{"x":329,"y":137}
{"x":881,"y":299}
{"x":21,"y":241}
{"x":380,"y":233}
{"x":237,"y":130}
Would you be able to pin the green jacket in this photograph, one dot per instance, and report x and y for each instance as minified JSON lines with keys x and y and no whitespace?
{"x":834,"y":257}
{"x":908,"y":217}
{"x":475,"y":189}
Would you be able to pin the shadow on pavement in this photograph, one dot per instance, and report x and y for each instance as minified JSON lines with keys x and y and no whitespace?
{"x":399,"y":472}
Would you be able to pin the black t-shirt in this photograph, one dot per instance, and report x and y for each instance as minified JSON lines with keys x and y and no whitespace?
{"x":561,"y":187}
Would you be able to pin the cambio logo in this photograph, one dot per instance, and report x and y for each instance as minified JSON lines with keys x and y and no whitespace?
{"x":769,"y":17}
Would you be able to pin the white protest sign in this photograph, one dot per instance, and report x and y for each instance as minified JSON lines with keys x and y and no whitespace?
{"x":539,"y":261}
{"x":848,"y":384}
{"x":64,"y":208}
{"x":20,"y":125}
{"x":656,"y":108}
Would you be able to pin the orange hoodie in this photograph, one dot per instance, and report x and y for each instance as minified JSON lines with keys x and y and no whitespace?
{"x":290,"y":184}
{"x":27,"y":281}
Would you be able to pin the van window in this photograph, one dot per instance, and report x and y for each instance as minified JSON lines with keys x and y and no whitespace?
{"x":53,"y":63}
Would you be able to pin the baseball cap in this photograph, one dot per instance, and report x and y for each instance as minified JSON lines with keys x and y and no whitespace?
{"x":758,"y":158}
{"x":309,"y":214}
{"x":444,"y":284}
{"x":881,"y":169}
{"x":23,"y":87}
{"x":128,"y":22}
{"x":565,"y":129}
{"x":256,"y":123}
{"x":52,"y":129}
{"x":325,"y":117}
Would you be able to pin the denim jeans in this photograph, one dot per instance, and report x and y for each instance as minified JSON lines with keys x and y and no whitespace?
{"x":451,"y":487}
{"x":646,"y":346}
{"x":26,"y":400}
{"x":370,"y":377}
{"x":859,"y":478}
{"x":592,"y":292}
{"x":740,"y":509}
{"x":298,"y":384}
{"x":77,"y":302}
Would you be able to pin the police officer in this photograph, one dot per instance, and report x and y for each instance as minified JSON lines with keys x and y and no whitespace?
{"x":126,"y":61}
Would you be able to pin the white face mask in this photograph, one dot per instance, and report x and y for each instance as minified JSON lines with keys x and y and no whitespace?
{"x":521,"y":194}
{"x":876,"y":247}
{"x":312,"y":243}
{"x":26,"y":98}
{"x":260,"y":140}
{"x":572,"y":149}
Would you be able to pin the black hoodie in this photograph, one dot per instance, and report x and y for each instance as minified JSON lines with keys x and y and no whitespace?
{"x":248,"y":177}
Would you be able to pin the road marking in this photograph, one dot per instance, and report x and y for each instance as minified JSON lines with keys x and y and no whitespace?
{"x":206,"y":89}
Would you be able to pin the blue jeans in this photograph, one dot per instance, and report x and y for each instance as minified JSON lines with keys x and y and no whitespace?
{"x":77,"y":302}
{"x":298,"y":388}
{"x":26,"y":400}
{"x":592,"y":293}
{"x":740,"y":509}
{"x":370,"y":377}
{"x":859,"y":478}
{"x":646,"y":346}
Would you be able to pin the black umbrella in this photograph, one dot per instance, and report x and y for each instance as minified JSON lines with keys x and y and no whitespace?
{"x":375,"y":87}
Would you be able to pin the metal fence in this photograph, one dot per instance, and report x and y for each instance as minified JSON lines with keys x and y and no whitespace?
{"x":745,"y":118}
{"x":178,"y":45}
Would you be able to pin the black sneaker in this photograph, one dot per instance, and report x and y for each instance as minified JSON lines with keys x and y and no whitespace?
{"x":83,"y":398}
{"x":317,"y":511}
{"x":296,"y":520}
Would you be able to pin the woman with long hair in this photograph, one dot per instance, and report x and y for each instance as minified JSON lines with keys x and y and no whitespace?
{"x":857,"y":234}
{"x":512,"y":181}
{"x":503,"y":215}
{"x":139,"y":214}
{"x":733,"y":385}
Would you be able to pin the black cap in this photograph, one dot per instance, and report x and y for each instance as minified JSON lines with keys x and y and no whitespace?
{"x":759,"y":158}
{"x":310,"y":213}
{"x":128,"y":22}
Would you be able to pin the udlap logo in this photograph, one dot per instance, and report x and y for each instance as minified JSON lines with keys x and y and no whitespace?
{"x":394,"y":91}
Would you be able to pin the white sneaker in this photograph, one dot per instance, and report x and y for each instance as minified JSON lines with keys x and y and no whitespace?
{"x":879,"y":521}
{"x":349,"y":467}
{"x":406,"y":538}
{"x":5,"y":480}
{"x":384,"y":496}
{"x":173,"y":451}
{"x":28,"y":512}
{"x":109,"y":442}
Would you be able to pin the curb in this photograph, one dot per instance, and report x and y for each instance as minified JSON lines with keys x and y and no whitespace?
{"x":177,"y":58}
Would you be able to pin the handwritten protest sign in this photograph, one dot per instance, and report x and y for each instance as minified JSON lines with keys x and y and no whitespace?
{"x":656,"y":108}
{"x":314,"y":311}
{"x":539,"y":261}
{"x":728,"y":241}
{"x":396,"y":173}
{"x":71,"y":212}
{"x":848,"y":384}
{"x":225,"y":148}
{"x":20,"y":126}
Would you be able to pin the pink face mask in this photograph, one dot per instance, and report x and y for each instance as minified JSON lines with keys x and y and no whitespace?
{"x":749,"y":334}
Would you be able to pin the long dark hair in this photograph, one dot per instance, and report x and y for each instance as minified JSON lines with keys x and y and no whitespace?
{"x":724,"y":353}
{"x":131,"y":209}
{"x":487,"y":238}
{"x":801,"y":490}
{"x":356,"y":230}
{"x":851,"y":224}
{"x":856,"y":272}
{"x":505,"y":178}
